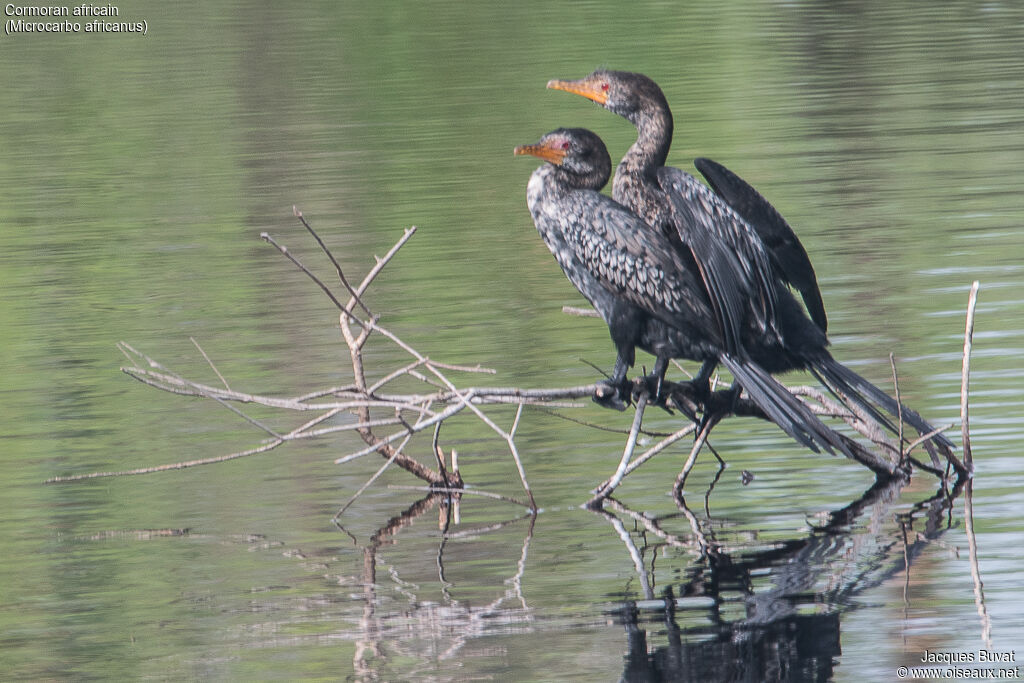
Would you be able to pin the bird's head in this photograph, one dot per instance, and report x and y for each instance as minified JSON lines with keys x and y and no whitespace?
{"x":577,"y":152}
{"x":630,"y":95}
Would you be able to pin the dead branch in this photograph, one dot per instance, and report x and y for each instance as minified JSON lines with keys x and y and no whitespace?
{"x":627,"y":454}
{"x":965,"y":430}
{"x":389,"y":423}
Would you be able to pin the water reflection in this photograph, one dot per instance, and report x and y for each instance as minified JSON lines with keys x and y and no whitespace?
{"x":138,"y":174}
{"x":442,"y":629}
{"x":770,"y":613}
{"x":735,"y":606}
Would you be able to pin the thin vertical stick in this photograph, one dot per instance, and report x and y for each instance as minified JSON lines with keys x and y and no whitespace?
{"x":627,"y":453}
{"x":965,"y":427}
{"x":697,"y":446}
{"x":899,"y":407}
{"x":439,"y":454}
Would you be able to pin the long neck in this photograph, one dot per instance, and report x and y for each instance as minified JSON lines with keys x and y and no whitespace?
{"x":649,"y":152}
{"x":549,"y":184}
{"x":593,"y":178}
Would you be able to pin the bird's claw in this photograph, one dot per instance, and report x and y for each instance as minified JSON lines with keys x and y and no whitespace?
{"x":654,"y":386}
{"x":609,"y":395}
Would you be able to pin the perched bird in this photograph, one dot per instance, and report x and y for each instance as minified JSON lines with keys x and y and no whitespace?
{"x":649,"y":293}
{"x":642,"y":176}
{"x":744,"y":249}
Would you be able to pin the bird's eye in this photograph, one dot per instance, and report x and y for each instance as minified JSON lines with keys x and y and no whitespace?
{"x":604,"y":87}
{"x":565,"y":145}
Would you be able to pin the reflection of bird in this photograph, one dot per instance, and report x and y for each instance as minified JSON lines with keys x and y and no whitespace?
{"x":745,"y":250}
{"x":648,"y":292}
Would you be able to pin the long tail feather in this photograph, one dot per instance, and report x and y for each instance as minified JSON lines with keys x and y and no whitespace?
{"x":847,"y":382}
{"x":786,"y":410}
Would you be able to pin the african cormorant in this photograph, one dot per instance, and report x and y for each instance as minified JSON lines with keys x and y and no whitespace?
{"x":745,"y":250}
{"x":646,"y":290}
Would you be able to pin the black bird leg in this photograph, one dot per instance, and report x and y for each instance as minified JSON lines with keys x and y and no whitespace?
{"x":715,"y":410}
{"x":702,"y":382}
{"x":655,"y":383}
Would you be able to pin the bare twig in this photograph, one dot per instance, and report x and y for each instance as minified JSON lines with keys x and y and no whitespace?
{"x":171,"y":466}
{"x":651,"y":452}
{"x":899,"y":406}
{"x":327,"y":290}
{"x":372,"y":479}
{"x":383,"y":447}
{"x":296,"y":433}
{"x":593,"y":425}
{"x":435,"y":446}
{"x":698,"y":444}
{"x":384,"y":260}
{"x":337,"y":266}
{"x":210,"y":362}
{"x":925,"y":437}
{"x":461,"y":492}
{"x":965,"y":423}
{"x":580,"y":312}
{"x":463,"y":368}
{"x":627,"y":453}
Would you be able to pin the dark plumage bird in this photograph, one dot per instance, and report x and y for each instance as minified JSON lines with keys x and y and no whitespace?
{"x":648,"y":292}
{"x":745,"y":251}
{"x":642,"y":180}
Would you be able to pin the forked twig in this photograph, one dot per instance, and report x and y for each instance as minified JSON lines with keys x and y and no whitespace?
{"x":698,"y":444}
{"x":337,"y":266}
{"x":650,"y":453}
{"x":627,"y":454}
{"x":265,"y":236}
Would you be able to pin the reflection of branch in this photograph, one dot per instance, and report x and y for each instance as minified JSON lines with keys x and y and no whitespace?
{"x":972,"y":550}
{"x":460,"y":624}
{"x":368,"y":644}
{"x":707,"y":546}
{"x":634,"y":553}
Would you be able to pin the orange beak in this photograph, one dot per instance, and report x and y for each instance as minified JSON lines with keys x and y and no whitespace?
{"x":547,"y":152}
{"x":591,"y":88}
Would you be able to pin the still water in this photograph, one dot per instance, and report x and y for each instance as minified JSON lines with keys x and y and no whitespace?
{"x":136,"y":176}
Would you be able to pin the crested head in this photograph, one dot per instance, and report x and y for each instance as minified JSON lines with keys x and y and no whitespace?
{"x":579,"y":155}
